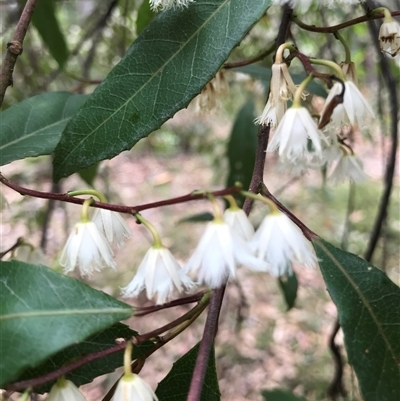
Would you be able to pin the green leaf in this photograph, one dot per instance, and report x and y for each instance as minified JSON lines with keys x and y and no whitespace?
{"x":96,"y":343}
{"x":242,"y":145}
{"x":42,"y":312}
{"x":164,"y":69}
{"x":264,"y":75}
{"x":368,"y":304}
{"x":45,"y":21}
{"x":89,"y":174}
{"x":34,"y":126}
{"x":175,"y":386}
{"x":145,"y":16}
{"x":280,"y":395}
{"x":197,"y":218}
{"x":289,"y":286}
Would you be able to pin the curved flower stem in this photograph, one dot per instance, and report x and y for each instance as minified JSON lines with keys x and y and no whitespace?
{"x":63,"y":197}
{"x":89,"y":191}
{"x":216,"y":208}
{"x":330,"y":64}
{"x":331,"y":29}
{"x":152,"y":229}
{"x":281,"y":49}
{"x":85,"y":210}
{"x":271,"y":204}
{"x":346,"y":47}
{"x":18,"y":243}
{"x":300,"y":90}
{"x":128,"y":359}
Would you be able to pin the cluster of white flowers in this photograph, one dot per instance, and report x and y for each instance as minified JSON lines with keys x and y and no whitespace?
{"x":389,"y":35}
{"x":304,"y":5}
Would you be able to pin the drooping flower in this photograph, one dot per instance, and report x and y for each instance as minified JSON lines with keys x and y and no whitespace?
{"x":349,"y":71}
{"x":239,"y":223}
{"x":132,"y":387}
{"x":389,"y":36}
{"x":292,"y":135}
{"x":112,"y":225}
{"x":159,"y":273}
{"x":29,"y":254}
{"x":349,"y":167}
{"x":217,"y":255}
{"x":280,"y":243}
{"x":157,"y":5}
{"x":65,"y":390}
{"x":87,"y":248}
{"x":272,"y":114}
{"x":354,"y":109}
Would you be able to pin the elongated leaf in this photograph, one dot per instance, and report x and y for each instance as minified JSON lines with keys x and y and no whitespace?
{"x":45,"y":21}
{"x":242,"y":145}
{"x":42,"y":312}
{"x":175,"y":386}
{"x":197,"y":218}
{"x":289,"y":286}
{"x":97,"y":343}
{"x":33,"y":127}
{"x":166,"y":67}
{"x":368,"y":304}
{"x":280,"y":395}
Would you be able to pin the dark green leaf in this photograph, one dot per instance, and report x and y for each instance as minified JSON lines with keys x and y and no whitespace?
{"x":175,"y":386}
{"x":289,"y":286}
{"x":165,"y":68}
{"x":264,"y":75}
{"x":368,"y":304}
{"x":145,"y":16}
{"x":280,"y":395}
{"x":45,"y":21}
{"x":89,"y":174}
{"x":197,"y":218}
{"x":242,"y":147}
{"x":43,"y":312}
{"x":33,"y":127}
{"x":97,"y":343}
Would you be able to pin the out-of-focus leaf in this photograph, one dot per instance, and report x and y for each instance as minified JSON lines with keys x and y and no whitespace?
{"x":45,"y":21}
{"x":164,"y":69}
{"x":33,"y":127}
{"x":197,"y":218}
{"x":43,"y":312}
{"x":280,"y":395}
{"x":144,"y":17}
{"x":89,"y":174}
{"x":264,"y":75}
{"x":289,"y":286}
{"x":175,"y":386}
{"x":368,"y":304}
{"x":242,"y":147}
{"x":96,"y":343}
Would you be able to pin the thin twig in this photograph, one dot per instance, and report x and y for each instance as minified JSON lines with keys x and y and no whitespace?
{"x":19,"y":241}
{"x":14,"y":48}
{"x":253,"y":60}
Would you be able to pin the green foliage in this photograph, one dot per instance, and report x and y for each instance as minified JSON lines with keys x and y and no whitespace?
{"x":89,"y":174}
{"x":96,"y":343}
{"x":175,"y":386}
{"x":289,"y":286}
{"x":368,"y":305}
{"x":145,"y":16}
{"x":33,"y":127}
{"x":141,"y":93}
{"x":45,"y":21}
{"x":241,"y":150}
{"x":198,"y":218}
{"x":43,"y":312}
{"x":280,"y":395}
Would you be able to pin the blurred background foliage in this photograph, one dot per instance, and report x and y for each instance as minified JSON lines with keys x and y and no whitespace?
{"x":72,"y":46}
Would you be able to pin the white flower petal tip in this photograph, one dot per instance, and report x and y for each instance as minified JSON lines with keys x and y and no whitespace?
{"x":292,"y":135}
{"x":112,"y":225}
{"x":157,"y":5}
{"x":65,"y":390}
{"x":272,"y":113}
{"x":238,"y":221}
{"x":354,"y":109}
{"x":133,"y":388}
{"x":159,"y":273}
{"x":349,"y":167}
{"x":279,"y":242}
{"x":389,"y":37}
{"x":87,"y":248}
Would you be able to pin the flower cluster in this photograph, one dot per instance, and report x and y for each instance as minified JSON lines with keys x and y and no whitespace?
{"x":303,"y":143}
{"x":157,"y":5}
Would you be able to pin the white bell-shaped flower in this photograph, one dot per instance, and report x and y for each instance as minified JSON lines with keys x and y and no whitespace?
{"x":132,"y":387}
{"x":87,"y":248}
{"x":112,"y":225}
{"x":389,"y":36}
{"x":239,"y":223}
{"x":159,"y":273}
{"x":65,"y":390}
{"x":354,"y":109}
{"x":280,"y":243}
{"x":272,"y":114}
{"x":292,"y":135}
{"x":349,"y":167}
